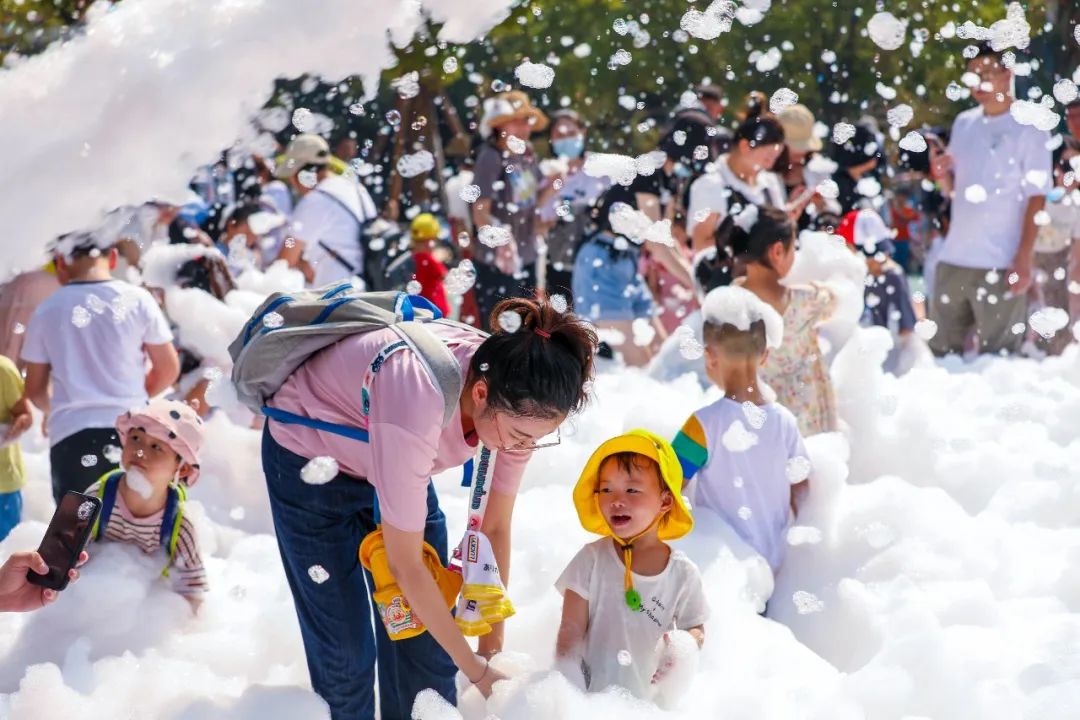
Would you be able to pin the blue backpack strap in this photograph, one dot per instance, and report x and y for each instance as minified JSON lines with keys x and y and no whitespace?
{"x":288,"y":418}
{"x":110,"y":483}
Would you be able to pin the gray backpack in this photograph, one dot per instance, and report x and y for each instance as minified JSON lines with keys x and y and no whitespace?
{"x":288,"y":328}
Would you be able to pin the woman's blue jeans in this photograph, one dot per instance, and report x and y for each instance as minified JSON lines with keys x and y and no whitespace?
{"x":323,"y":525}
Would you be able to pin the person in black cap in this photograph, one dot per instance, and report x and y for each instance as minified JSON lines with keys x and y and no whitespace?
{"x":857,"y":158}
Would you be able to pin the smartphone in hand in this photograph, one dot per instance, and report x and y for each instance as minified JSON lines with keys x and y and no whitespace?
{"x":66,"y":538}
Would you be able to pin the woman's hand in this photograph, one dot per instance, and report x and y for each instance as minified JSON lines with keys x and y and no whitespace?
{"x":487,"y":678}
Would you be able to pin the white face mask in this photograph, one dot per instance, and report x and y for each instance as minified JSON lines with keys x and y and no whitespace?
{"x":139,"y":483}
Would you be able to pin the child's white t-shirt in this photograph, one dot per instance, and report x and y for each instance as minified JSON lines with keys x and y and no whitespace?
{"x":672,"y":600}
{"x":91,"y":334}
{"x":743,"y":469}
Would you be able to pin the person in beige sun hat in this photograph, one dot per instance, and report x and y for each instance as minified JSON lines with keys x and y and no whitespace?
{"x":798,"y":124}
{"x":513,"y":108}
{"x":508,"y":175}
{"x":801,"y":167}
{"x":303,"y":151}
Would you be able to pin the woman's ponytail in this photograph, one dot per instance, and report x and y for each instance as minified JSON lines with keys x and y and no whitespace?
{"x":537,"y":360}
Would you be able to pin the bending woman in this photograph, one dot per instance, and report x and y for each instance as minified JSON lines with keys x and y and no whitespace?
{"x":518,"y":387}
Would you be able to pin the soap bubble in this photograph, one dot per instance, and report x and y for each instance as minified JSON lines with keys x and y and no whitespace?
{"x":886,"y":30}
{"x":413,"y":287}
{"x":797,"y":469}
{"x":80,"y":316}
{"x":913,"y":142}
{"x":806,"y":602}
{"x":782,"y":98}
{"x":755,"y":415}
{"x":470,"y":193}
{"x":510,"y":321}
{"x":516,"y":145}
{"x":975,"y":194}
{"x":624,"y":658}
{"x":803,"y":535}
{"x":273,"y":320}
{"x":900,"y":115}
{"x":842,"y":132}
{"x":318,"y":574}
{"x":302,"y":119}
{"x":460,"y":279}
{"x":534,"y":75}
{"x":493,"y":236}
{"x":926,"y":329}
{"x":89,"y":461}
{"x":319,"y":470}
{"x":737,"y":438}
{"x":86,"y":509}
{"x":415,"y":164}
{"x":112,"y":453}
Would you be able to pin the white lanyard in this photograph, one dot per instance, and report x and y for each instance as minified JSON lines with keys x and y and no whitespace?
{"x":483,"y":469}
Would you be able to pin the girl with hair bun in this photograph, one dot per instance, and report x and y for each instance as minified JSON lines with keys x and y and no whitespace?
{"x":518,"y":387}
{"x":761,"y":243}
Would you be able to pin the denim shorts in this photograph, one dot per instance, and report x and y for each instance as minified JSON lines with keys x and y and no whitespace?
{"x":606,"y":283}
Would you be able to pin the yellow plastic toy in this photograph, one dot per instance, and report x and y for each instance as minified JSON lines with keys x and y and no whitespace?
{"x":398,"y":617}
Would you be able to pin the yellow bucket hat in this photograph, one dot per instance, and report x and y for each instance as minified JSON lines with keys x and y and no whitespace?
{"x":424,"y":227}
{"x":675,"y":523}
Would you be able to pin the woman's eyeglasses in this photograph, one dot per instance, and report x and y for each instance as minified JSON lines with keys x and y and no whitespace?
{"x":525,"y":446}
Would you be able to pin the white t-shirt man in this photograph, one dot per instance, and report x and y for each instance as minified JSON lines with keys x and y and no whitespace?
{"x":92,"y":334}
{"x":672,"y":600}
{"x":754,"y":455}
{"x":328,"y":220}
{"x":710,"y":192}
{"x":277,"y":198}
{"x":999,"y":165}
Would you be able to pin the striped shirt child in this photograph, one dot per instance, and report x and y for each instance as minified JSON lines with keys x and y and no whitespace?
{"x":187,"y":572}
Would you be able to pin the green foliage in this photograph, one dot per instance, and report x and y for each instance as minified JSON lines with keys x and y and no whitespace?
{"x":841,"y":87}
{"x":28,"y":26}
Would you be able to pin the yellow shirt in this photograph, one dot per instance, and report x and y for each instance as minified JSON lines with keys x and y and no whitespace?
{"x":12,"y":472}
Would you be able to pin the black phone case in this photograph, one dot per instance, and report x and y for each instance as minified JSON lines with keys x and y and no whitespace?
{"x":80,"y":544}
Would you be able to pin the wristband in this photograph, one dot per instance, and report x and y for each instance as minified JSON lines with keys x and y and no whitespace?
{"x":487,"y":665}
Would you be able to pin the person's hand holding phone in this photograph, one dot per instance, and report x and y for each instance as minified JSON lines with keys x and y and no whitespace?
{"x":17,"y":593}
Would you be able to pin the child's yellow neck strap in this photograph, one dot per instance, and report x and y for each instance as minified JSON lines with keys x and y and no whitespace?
{"x":633,"y":598}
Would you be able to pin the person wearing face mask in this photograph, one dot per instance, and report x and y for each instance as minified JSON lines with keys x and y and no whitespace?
{"x":740,"y":177}
{"x":569,"y":199}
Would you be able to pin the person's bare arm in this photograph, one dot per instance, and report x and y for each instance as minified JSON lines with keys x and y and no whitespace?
{"x":573,"y":627}
{"x":481,"y":212}
{"x":702,"y":235}
{"x":403,"y":552}
{"x":942,"y":170}
{"x":666,"y":255}
{"x":1022,"y":264}
{"x":36,"y":388}
{"x":164,"y":368}
{"x":21,"y":419}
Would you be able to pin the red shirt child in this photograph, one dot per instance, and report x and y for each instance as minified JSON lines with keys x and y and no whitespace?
{"x":429,"y":271}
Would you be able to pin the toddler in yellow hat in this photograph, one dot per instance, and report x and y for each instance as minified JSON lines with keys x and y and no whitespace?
{"x":625,"y":593}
